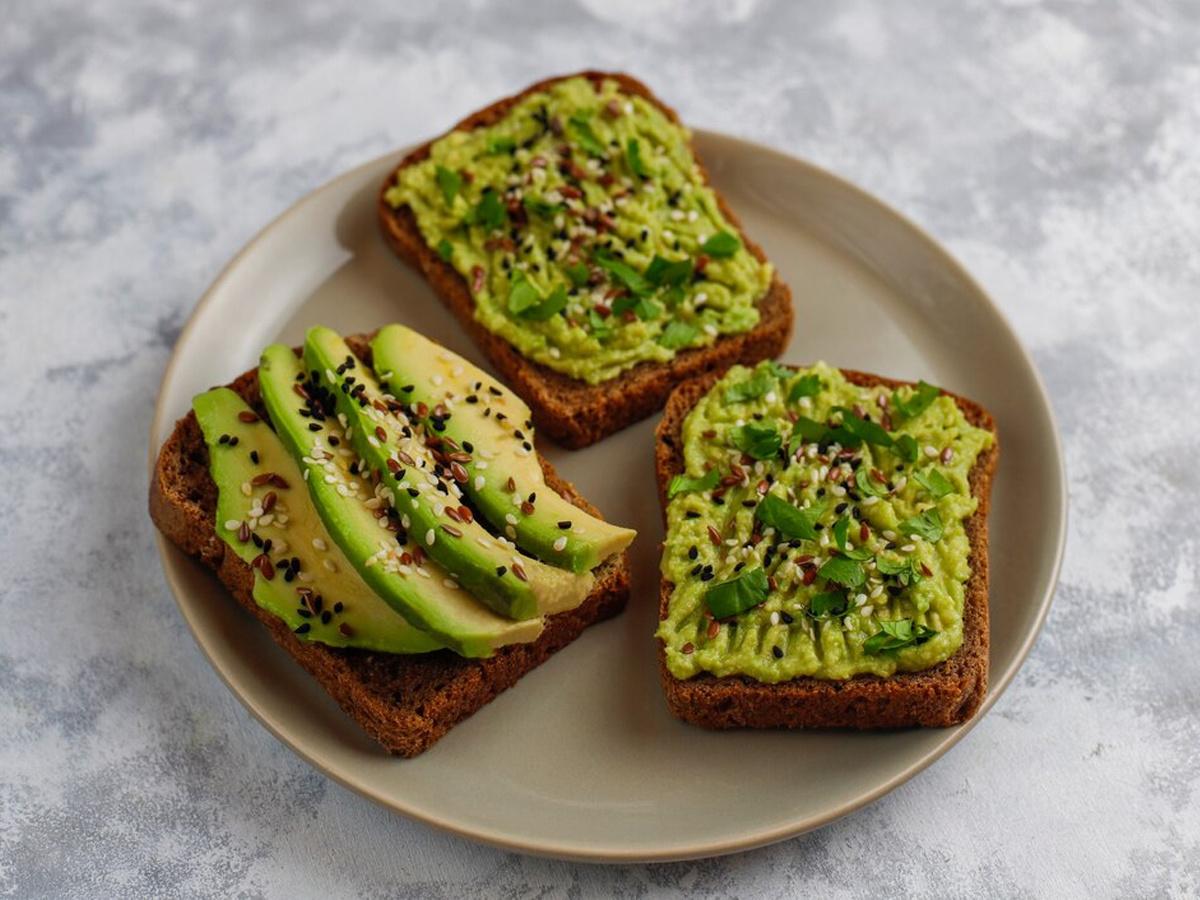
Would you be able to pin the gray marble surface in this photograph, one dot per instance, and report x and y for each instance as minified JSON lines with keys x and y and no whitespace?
{"x":1051,"y":145}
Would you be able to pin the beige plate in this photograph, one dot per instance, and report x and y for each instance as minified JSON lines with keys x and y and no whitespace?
{"x":581,"y":759}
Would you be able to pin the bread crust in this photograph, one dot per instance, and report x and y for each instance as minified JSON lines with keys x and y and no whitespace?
{"x":406,"y":703}
{"x":943,"y":695}
{"x":572,"y":412}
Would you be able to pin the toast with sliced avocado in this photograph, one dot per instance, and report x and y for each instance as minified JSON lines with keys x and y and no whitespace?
{"x":573,"y":232}
{"x":358,"y":521}
{"x":825,"y":563}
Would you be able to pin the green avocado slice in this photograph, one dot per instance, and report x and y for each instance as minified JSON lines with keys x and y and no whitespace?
{"x":355,"y":515}
{"x":312,"y":586}
{"x":425,"y":493}
{"x":495,"y":424}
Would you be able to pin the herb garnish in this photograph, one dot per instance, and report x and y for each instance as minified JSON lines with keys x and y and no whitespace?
{"x":793,"y":523}
{"x":922,"y":395}
{"x":867,"y":484}
{"x":752,"y":388}
{"x":906,"y":570}
{"x":677,"y":335}
{"x":807,"y":386}
{"x":721,"y":245}
{"x":758,"y":441}
{"x":490,"y":213}
{"x":633,"y":155}
{"x":541,"y":208}
{"x":683,"y":484}
{"x":526,"y":302}
{"x":906,"y":448}
{"x":935,"y":482}
{"x":501,"y":145}
{"x":745,"y":591}
{"x":841,"y":529}
{"x":927,"y":525}
{"x":827,"y":603}
{"x":896,"y":634}
{"x":625,"y":274}
{"x":587,"y":139}
{"x":449,"y":182}
{"x":445,"y":249}
{"x":669,"y":273}
{"x":846,"y":572}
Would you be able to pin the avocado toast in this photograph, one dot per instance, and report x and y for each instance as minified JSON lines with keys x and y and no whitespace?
{"x":826,"y":554}
{"x":350,"y":520}
{"x":572,"y":231}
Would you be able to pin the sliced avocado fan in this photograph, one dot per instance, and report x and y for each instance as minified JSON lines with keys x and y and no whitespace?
{"x":265,"y":516}
{"x":490,"y":430}
{"x":424,"y":485}
{"x":360,"y":520}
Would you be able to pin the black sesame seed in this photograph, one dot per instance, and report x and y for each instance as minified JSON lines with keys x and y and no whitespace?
{"x":304,"y":628}
{"x":564,"y":525}
{"x":338,"y":607}
{"x":706,"y":576}
{"x":500,"y":570}
{"x":254,"y":457}
{"x":693,"y":552}
{"x":314,"y":426}
{"x":326,"y":617}
{"x":697,"y":569}
{"x":691,"y":514}
{"x":787,"y":618}
{"x":777,"y":652}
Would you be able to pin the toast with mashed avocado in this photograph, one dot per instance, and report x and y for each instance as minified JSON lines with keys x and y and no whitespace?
{"x":572,"y":231}
{"x":825,"y":563}
{"x":379,"y":505}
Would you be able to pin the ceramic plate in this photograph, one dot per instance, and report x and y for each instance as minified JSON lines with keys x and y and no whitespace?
{"x":581,"y":759}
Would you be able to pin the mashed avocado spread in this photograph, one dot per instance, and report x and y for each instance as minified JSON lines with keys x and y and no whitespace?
{"x":583,"y":226}
{"x":818,"y":528}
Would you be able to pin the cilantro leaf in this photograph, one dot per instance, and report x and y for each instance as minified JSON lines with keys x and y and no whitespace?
{"x":863,"y":429}
{"x":806,"y":430}
{"x":578,"y":274}
{"x":671,"y":273}
{"x":918,"y":400}
{"x":793,"y":523}
{"x":868,"y":485}
{"x":541,"y":208}
{"x":549,"y":307}
{"x":846,"y":572}
{"x":758,"y":441}
{"x":625,"y":274}
{"x":586,"y":138}
{"x":522,"y":295}
{"x":633,"y":155}
{"x":490,"y":212}
{"x":906,"y":448}
{"x":449,"y":182}
{"x":896,"y":634}
{"x":935,"y":482}
{"x":677,"y":335}
{"x":905,"y":569}
{"x":445,"y":249}
{"x":746,"y":591}
{"x":927,"y":525}
{"x":643,"y":307}
{"x":761,"y":381}
{"x":683,"y":484}
{"x":841,"y":530}
{"x":827,"y":603}
{"x":807,"y":386}
{"x":601,"y":330}
{"x":499,"y":145}
{"x":721,"y":245}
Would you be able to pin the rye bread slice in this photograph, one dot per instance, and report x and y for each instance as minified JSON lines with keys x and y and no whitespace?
{"x":572,"y":412}
{"x":406,"y":703}
{"x":946,"y":694}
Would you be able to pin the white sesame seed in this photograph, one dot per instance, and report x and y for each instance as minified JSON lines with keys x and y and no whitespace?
{"x":450,"y":583}
{"x":710,"y":329}
{"x":775,"y":618}
{"x":329,"y":564}
{"x":692,"y":215}
{"x":330,"y":377}
{"x":860,"y":599}
{"x":510,"y":518}
{"x":867,"y":610}
{"x":889,"y":534}
{"x":479,"y":482}
{"x":430,"y":537}
{"x":510,"y":531}
{"x":930,"y":450}
{"x":908,"y":548}
{"x":847,"y":622}
{"x":233,"y":524}
{"x":838,"y":491}
{"x":560,"y":544}
{"x":677,"y":215}
{"x":870,"y":500}
{"x":246,"y":489}
{"x":319,"y":544}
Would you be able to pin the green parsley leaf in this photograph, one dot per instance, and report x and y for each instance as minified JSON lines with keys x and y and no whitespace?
{"x":449,"y":182}
{"x":584,"y":136}
{"x":757,"y":441}
{"x":633,"y":155}
{"x":935,"y":482}
{"x":864,"y":430}
{"x":906,"y":448}
{"x":623,"y":273}
{"x":601,"y":329}
{"x":490,"y":212}
{"x":522,"y":295}
{"x":807,"y":386}
{"x":541,"y":208}
{"x":445,"y":249}
{"x":551,"y":306}
{"x":827,"y":603}
{"x":808,"y":430}
{"x":671,"y":273}
{"x":868,"y":485}
{"x":895,"y":634}
{"x":683,"y":484}
{"x":927,"y":525}
{"x":761,"y":381}
{"x":918,"y":400}
{"x":738,"y":594}
{"x":677,"y":335}
{"x":846,"y":572}
{"x":721,"y":245}
{"x":501,"y":145}
{"x":643,"y":307}
{"x":905,"y":569}
{"x":841,"y":530}
{"x":793,"y":523}
{"x":578,"y":274}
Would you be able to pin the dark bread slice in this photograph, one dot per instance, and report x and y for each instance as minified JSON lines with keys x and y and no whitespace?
{"x":570,"y":411}
{"x":946,"y":694}
{"x":406,"y":703}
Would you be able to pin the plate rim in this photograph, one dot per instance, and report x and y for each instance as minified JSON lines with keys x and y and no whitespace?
{"x":567,"y":851}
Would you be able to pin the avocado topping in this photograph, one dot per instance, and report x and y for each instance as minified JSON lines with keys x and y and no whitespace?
{"x":265,"y":516}
{"x":586,"y":232}
{"x":818,"y":528}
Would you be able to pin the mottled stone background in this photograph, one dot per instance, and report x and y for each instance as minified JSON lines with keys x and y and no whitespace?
{"x":1053,"y":146}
